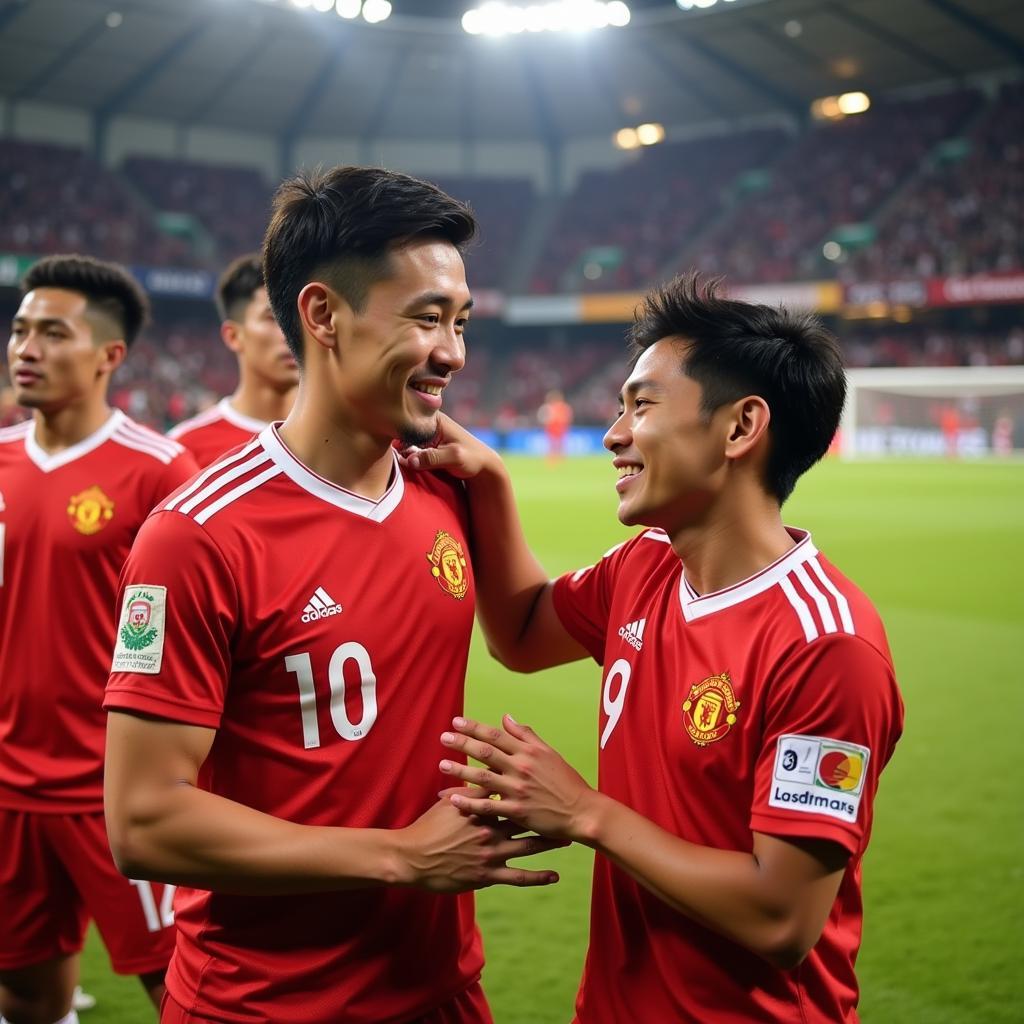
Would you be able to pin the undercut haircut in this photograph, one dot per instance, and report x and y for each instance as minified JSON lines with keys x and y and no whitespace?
{"x":339,"y":226}
{"x":108,"y":288}
{"x":733,"y":349}
{"x":240,"y":281}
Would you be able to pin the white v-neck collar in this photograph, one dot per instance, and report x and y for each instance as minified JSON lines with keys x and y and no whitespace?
{"x":237,"y":419}
{"x":304,"y":477}
{"x":48,"y":461}
{"x":696,"y":606}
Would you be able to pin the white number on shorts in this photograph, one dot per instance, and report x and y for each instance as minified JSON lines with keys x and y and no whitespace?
{"x":613,"y":705}
{"x":155,"y":918}
{"x":302,"y":666}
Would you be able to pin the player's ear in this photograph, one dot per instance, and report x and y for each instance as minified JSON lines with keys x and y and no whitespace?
{"x":112,"y":355}
{"x":325,"y":316}
{"x":747,"y":425}
{"x":230,"y":335}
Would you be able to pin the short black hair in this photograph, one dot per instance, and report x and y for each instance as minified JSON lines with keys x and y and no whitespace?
{"x":340,"y":225}
{"x":733,"y":349}
{"x":108,"y":289}
{"x":238,"y":284}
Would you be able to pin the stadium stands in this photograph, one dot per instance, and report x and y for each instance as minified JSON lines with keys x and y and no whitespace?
{"x":58,"y":199}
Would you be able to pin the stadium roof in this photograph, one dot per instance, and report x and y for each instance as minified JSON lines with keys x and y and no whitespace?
{"x":273,"y":69}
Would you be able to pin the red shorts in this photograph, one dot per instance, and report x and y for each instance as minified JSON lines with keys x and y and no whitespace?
{"x":468,"y":1007}
{"x":56,"y":872}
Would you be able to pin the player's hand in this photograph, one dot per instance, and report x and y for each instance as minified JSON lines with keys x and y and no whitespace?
{"x":454,"y":450}
{"x":448,"y":851}
{"x":536,"y":787}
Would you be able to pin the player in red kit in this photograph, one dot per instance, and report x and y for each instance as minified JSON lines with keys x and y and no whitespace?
{"x":267,"y":371}
{"x":294,"y":632}
{"x":76,"y":483}
{"x":748,"y":703}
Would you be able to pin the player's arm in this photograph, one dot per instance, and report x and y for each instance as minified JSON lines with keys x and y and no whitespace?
{"x":514,"y":593}
{"x":774,"y":900}
{"x":163,"y":827}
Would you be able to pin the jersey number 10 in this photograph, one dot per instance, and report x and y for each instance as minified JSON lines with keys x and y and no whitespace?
{"x":302,"y":666}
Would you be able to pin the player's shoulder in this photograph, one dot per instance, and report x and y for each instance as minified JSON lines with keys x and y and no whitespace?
{"x":145,"y":444}
{"x":201,"y":422}
{"x":821,"y":606}
{"x":227,"y":490}
{"x":650,"y":547}
{"x":14,"y":434}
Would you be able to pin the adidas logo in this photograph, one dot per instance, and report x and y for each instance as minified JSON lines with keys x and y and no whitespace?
{"x":320,"y":605}
{"x":633,"y":633}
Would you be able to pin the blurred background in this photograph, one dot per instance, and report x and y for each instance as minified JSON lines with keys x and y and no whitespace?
{"x":861,"y":157}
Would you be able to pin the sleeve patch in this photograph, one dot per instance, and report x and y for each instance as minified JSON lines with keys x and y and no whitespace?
{"x":819,"y":775}
{"x":140,"y":630}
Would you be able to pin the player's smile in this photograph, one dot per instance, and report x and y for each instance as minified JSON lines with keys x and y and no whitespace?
{"x":428,"y":391}
{"x":628,"y":473}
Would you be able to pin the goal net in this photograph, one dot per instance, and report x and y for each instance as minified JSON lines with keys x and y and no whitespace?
{"x":954,"y":411}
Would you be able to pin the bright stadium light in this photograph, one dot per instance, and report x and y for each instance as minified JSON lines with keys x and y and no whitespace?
{"x":626,"y":138}
{"x":348,"y":8}
{"x":497,"y":18}
{"x":853,"y":102}
{"x":302,"y":3}
{"x":375,"y":11}
{"x":323,"y":6}
{"x":650,"y":134}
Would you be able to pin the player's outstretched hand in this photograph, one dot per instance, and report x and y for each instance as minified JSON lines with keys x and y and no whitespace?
{"x":536,"y":786}
{"x":445,"y":850}
{"x":454,"y":449}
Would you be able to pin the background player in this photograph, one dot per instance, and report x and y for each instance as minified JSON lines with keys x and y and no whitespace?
{"x":77,"y":481}
{"x":268,"y":373}
{"x":749,"y":701}
{"x":307,"y":613}
{"x":555,"y":416}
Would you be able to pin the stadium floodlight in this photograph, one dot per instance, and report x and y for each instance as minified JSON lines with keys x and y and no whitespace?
{"x":348,"y":8}
{"x":853,"y":102}
{"x":323,"y":6}
{"x":650,"y":134}
{"x":302,"y":3}
{"x":375,"y":11}
{"x":626,"y":138}
{"x":496,"y":18}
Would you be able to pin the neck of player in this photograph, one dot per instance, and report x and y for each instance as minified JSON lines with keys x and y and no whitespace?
{"x":740,"y":534}
{"x":63,"y":427}
{"x":321,"y":435}
{"x":259,"y":399}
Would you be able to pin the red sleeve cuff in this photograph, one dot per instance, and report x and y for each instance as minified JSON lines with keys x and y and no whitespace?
{"x":848,"y":837}
{"x":125,"y":699}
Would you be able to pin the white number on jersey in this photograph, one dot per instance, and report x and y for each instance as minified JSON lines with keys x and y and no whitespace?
{"x":620,"y":671}
{"x":302,"y":666}
{"x":155,"y":919}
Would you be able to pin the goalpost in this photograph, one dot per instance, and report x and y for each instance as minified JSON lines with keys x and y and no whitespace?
{"x":951,"y":411}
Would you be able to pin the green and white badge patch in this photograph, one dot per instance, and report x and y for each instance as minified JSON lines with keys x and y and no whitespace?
{"x":140,"y":630}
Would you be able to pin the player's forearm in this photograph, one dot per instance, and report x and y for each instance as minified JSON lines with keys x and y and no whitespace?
{"x":188,"y":836}
{"x":727,"y":891}
{"x":509,"y":579}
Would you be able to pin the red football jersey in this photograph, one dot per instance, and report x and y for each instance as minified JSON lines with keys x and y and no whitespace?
{"x":215,"y":431}
{"x":325,"y":637}
{"x":67,"y":522}
{"x":769,"y":707}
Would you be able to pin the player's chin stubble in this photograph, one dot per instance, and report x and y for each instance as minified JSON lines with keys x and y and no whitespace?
{"x":417,"y":436}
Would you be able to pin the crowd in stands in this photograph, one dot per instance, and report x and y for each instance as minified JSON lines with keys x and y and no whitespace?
{"x":232,"y":204}
{"x":965,"y":215}
{"x":618,"y":228}
{"x":837,"y":174}
{"x":58,"y":199}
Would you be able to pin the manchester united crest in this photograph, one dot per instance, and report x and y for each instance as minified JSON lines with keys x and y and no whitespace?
{"x":709,"y":710}
{"x":90,"y":511}
{"x":448,"y":565}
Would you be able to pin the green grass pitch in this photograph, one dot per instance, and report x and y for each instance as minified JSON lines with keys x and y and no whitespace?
{"x":940,"y":548}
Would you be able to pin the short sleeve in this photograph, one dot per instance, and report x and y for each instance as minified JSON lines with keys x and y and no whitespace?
{"x":177,"y":610}
{"x":583,"y":601}
{"x":181,"y":468}
{"x":831,"y":723}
